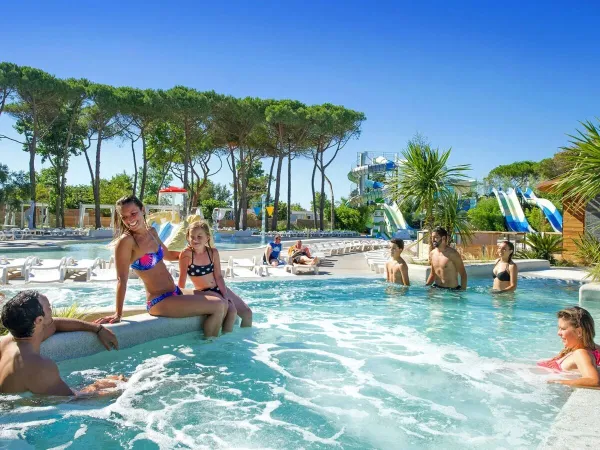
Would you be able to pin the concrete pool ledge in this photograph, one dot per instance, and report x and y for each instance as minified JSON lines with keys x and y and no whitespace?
{"x":576,"y":423}
{"x":131,"y":331}
{"x":589,"y":292}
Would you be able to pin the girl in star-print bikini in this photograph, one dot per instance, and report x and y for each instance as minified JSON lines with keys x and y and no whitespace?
{"x":200,"y":261}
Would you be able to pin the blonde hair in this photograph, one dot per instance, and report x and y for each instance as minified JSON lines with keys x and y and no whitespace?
{"x":580,"y":318}
{"x":204,"y":226}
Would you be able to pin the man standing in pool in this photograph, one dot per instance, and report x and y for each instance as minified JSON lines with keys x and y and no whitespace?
{"x":28,"y":318}
{"x":446,"y":263}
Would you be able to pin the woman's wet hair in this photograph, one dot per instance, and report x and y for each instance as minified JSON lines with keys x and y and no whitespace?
{"x":118,"y":223}
{"x":19,"y":313}
{"x":398,"y":242}
{"x":202,"y":225}
{"x":511,"y":247}
{"x":580,"y":318}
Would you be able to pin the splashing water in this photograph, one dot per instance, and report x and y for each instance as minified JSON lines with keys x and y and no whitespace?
{"x":352,"y":363}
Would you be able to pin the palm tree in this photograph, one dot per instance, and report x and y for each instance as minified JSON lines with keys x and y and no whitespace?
{"x":581,"y":181}
{"x":447,"y":214}
{"x":424,"y":178}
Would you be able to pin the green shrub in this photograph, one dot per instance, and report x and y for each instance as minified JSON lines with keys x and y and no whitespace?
{"x":588,"y":249}
{"x":486,"y":216}
{"x":541,"y":246}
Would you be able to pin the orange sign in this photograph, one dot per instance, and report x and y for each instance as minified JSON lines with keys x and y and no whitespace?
{"x":270,"y":210}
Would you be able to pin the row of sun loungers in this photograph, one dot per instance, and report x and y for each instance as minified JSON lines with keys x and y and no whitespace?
{"x":312,"y":234}
{"x":35,"y":270}
{"x":348,"y":246}
{"x":12,"y":234}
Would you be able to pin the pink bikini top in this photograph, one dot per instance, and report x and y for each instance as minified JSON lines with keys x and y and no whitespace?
{"x":554,"y":363}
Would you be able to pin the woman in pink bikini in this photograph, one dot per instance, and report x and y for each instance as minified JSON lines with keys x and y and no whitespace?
{"x":576,"y":329}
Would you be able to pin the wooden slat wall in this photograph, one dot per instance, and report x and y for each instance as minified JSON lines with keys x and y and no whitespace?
{"x":573,"y":227}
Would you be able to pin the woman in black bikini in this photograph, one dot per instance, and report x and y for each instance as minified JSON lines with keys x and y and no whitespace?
{"x":201,"y":262}
{"x":505,"y":271}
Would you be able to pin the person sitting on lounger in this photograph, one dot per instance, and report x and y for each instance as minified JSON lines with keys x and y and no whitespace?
{"x":28,"y":318}
{"x":301,"y":255}
{"x":139,"y":247}
{"x":396,"y":269}
{"x":271,"y":255}
{"x":200,"y":260}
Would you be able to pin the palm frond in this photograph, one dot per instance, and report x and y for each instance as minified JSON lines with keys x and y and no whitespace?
{"x":581,"y":182}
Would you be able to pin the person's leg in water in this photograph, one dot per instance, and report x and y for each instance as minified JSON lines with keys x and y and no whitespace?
{"x":243,"y":310}
{"x":230,"y":317}
{"x":229,"y":310}
{"x":213,"y":306}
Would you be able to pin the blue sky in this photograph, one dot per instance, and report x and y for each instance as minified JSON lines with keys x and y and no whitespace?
{"x":496,"y":81}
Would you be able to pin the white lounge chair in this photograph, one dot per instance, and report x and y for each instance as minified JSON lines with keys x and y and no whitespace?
{"x":244,"y":268}
{"x":15,"y":268}
{"x":47,"y":270}
{"x":83,"y":267}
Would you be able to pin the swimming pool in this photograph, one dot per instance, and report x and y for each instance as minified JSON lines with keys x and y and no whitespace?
{"x":330,"y":363}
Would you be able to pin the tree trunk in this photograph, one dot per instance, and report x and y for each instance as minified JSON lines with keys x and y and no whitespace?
{"x":32,"y":148}
{"x":97,"y":182}
{"x":243,"y":194}
{"x":235,"y":185}
{"x":276,"y":198}
{"x":332,"y":204}
{"x":63,"y":182}
{"x":322,"y":205}
{"x":289,"y":192}
{"x":186,"y":160}
{"x":268,"y":199}
{"x":135,"y":170}
{"x":144,"y":167}
{"x":314,"y":198}
{"x":244,"y":198}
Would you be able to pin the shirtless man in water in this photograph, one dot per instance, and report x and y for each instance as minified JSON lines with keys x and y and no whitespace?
{"x":396,"y":270}
{"x":28,"y":317}
{"x":446,"y":263}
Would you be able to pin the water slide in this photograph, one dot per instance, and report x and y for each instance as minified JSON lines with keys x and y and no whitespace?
{"x":392,"y":222}
{"x":512,"y":211}
{"x":552,"y":214}
{"x":171,"y":232}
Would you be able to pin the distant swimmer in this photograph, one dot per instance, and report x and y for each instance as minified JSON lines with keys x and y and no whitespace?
{"x":505,"y":270}
{"x":396,"y":269}
{"x":446,"y":263}
{"x":28,"y":318}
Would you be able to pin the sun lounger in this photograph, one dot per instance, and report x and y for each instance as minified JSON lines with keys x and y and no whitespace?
{"x":15,"y":268}
{"x":294,"y":268}
{"x":244,"y":268}
{"x":83,"y":267}
{"x":47,"y":270}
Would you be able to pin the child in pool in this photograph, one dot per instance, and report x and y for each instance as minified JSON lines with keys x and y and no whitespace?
{"x":200,"y":260}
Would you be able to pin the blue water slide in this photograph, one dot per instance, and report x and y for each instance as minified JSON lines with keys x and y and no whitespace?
{"x":512,"y":222}
{"x":550,"y":211}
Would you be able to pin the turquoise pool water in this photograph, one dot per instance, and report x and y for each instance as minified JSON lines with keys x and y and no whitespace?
{"x":330,"y":363}
{"x":93,"y":250}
